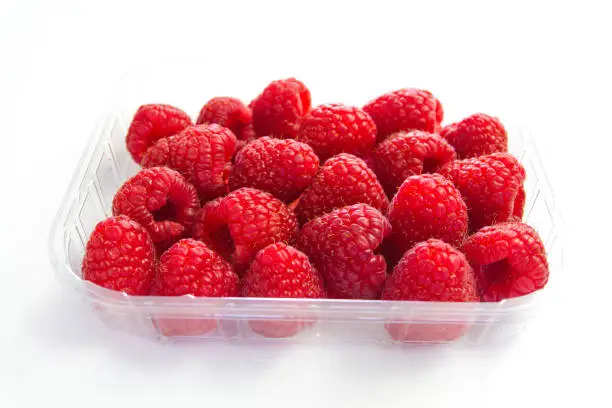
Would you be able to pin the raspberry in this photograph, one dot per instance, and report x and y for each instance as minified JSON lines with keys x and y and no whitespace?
{"x":405,"y":109}
{"x":243,"y":222}
{"x":342,"y":180}
{"x":201,"y":153}
{"x":425,"y":206}
{"x":342,"y":245}
{"x":279,"y":109}
{"x":519,"y":204}
{"x":407,"y":154}
{"x":227,"y":112}
{"x":439,"y":116}
{"x":476,"y":135}
{"x":284,"y":168}
{"x":120,"y":256}
{"x":491,"y":187}
{"x":509,"y":260}
{"x":281,"y":271}
{"x":151,"y":123}
{"x":335,"y":128}
{"x":162,"y":201}
{"x":430,"y":271}
{"x":189,"y":267}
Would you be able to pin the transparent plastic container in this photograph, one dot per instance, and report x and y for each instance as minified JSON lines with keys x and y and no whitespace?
{"x":104,"y":166}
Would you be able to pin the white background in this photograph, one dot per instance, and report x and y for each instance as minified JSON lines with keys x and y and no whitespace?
{"x":546,"y":63}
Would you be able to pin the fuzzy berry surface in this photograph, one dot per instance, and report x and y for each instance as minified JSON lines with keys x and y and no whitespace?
{"x":406,"y":154}
{"x":476,"y":135}
{"x":189,"y":267}
{"x":491,"y":185}
{"x":405,"y":109}
{"x":120,"y":256}
{"x":336,"y":128}
{"x":281,"y":271}
{"x":201,"y":153}
{"x":282,"y":167}
{"x":425,"y":206}
{"x":228,"y":112}
{"x":162,"y":201}
{"x":343,"y":245}
{"x":151,"y":123}
{"x":242,"y":223}
{"x":509,"y":260}
{"x":279,"y":109}
{"x":431,"y":271}
{"x":343,"y":180}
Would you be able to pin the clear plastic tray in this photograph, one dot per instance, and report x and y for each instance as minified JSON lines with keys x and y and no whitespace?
{"x":105,"y":164}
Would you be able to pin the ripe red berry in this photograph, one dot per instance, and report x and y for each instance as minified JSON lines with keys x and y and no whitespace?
{"x":281,"y":271}
{"x":283,"y":168}
{"x":407,"y":154}
{"x":343,"y":245}
{"x":120,"y":256}
{"x":278,"y":111}
{"x":201,"y":153}
{"x":509,"y":260}
{"x":227,"y":112}
{"x":425,"y":206}
{"x":189,"y":267}
{"x":432,"y":271}
{"x":491,"y":187}
{"x":405,"y":109}
{"x":162,"y":201}
{"x":342,"y":180}
{"x":519,"y":205}
{"x":243,"y":222}
{"x":151,"y":123}
{"x":476,"y":135}
{"x":335,"y":128}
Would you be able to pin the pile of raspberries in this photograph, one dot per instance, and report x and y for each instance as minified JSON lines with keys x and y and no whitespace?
{"x":279,"y":199}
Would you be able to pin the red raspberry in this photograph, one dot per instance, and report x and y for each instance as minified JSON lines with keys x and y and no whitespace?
{"x":405,"y":109}
{"x":151,"y":123}
{"x":162,"y":201}
{"x":490,"y":186}
{"x":189,"y":267}
{"x":430,"y":271}
{"x":425,"y":206}
{"x":279,"y":109}
{"x":120,"y":256}
{"x":407,"y":154}
{"x":343,"y":246}
{"x":227,"y":112}
{"x":335,"y":128}
{"x":201,"y":153}
{"x":509,"y":260}
{"x":283,"y":168}
{"x":519,"y":205}
{"x":244,"y":222}
{"x":439,"y":116}
{"x":342,"y":180}
{"x":281,"y":271}
{"x":476,"y":135}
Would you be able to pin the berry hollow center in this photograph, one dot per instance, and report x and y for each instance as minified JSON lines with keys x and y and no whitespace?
{"x":223,"y":241}
{"x":430,"y":165}
{"x":168,"y":212}
{"x":498,"y":272}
